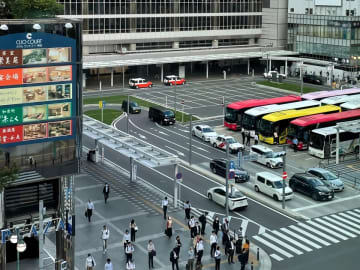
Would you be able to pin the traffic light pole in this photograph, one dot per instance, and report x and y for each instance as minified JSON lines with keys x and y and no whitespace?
{"x":284,"y":170}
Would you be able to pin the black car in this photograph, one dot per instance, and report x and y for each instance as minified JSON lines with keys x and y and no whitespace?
{"x":311,"y":186}
{"x":218,"y":166}
{"x":133,"y":107}
{"x":312,"y":79}
{"x":162,"y":115}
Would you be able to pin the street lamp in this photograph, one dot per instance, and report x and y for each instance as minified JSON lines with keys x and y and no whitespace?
{"x":20,"y":247}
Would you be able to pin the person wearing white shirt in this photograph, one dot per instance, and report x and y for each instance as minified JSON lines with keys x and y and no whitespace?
{"x":108,"y":265}
{"x":151,"y":253}
{"x":192,"y":227}
{"x":187,"y":208}
{"x":126,"y":238}
{"x":105,"y":234}
{"x":89,"y":209}
{"x":199,"y":250}
{"x":217,"y":256}
{"x":213,"y":243}
{"x":164,"y":205}
{"x":129,"y":250}
{"x":130,"y":265}
{"x":90,"y":262}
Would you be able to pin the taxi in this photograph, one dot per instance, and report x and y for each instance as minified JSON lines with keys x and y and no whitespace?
{"x":140,"y":83}
{"x":172,"y":79}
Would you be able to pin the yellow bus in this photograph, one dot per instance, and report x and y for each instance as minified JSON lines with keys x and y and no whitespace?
{"x":277,"y":123}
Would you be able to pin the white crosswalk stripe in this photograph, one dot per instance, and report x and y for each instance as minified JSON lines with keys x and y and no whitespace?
{"x":310,"y":235}
{"x":353,"y":214}
{"x":296,"y":243}
{"x":279,"y":250}
{"x":340,"y":224}
{"x":357,"y":210}
{"x":267,"y":235}
{"x":301,"y":238}
{"x":323,"y":235}
{"x":335,"y":227}
{"x":276,"y":257}
{"x":346,"y":221}
{"x":244,"y":225}
{"x":321,"y":227}
{"x":351,"y":218}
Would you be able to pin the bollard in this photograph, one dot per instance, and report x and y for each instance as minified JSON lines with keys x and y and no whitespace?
{"x":258,"y":254}
{"x":252,"y":265}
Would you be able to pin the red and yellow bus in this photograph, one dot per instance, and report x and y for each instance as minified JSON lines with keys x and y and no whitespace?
{"x":300,"y":128}
{"x":235,"y":111}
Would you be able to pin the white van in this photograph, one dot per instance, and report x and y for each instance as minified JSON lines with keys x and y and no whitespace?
{"x":266,"y":156}
{"x":272,"y":185}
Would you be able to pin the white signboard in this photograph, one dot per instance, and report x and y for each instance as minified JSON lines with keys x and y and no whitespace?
{"x":328,"y":2}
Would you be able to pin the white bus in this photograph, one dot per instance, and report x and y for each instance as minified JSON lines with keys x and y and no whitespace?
{"x":251,"y":118}
{"x":351,"y":105}
{"x":323,"y":142}
{"x":339,"y":99}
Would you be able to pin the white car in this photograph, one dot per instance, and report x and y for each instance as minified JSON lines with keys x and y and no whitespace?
{"x":277,"y":74}
{"x":272,"y":185}
{"x":221,"y":141}
{"x":203,"y":132}
{"x":267,"y":156}
{"x":236,"y":198}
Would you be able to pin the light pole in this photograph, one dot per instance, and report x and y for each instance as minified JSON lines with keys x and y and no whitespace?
{"x":190,"y":139}
{"x":227,"y":181}
{"x":175,"y":97}
{"x":284,"y":173}
{"x":301,"y":78}
{"x":20,"y":247}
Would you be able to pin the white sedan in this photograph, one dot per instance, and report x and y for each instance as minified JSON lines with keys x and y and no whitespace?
{"x":277,"y":74}
{"x":204,"y":132}
{"x":221,"y":141}
{"x":236,"y":198}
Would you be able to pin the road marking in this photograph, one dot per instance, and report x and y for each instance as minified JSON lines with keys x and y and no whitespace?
{"x":266,"y":243}
{"x":281,"y":243}
{"x":301,"y":238}
{"x":357,"y":210}
{"x":178,"y":152}
{"x":309,"y":235}
{"x":318,"y":233}
{"x":327,"y":230}
{"x":349,"y":228}
{"x":163,"y":133}
{"x":142,"y":136}
{"x":353,"y":214}
{"x":336,"y":228}
{"x":200,"y":149}
{"x":262,"y":230}
{"x":243,"y":226}
{"x":276,"y":257}
{"x":351,"y":218}
{"x":292,"y":241}
{"x":88,"y":187}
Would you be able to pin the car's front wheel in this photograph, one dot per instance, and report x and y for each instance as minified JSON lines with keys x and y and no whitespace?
{"x":203,"y":138}
{"x":315,"y":196}
{"x":268,"y":165}
{"x":214,"y":144}
{"x":257,"y":189}
{"x":193,"y":133}
{"x":275,"y":197}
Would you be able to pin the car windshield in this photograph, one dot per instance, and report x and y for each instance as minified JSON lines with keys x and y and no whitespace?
{"x":231,"y":140}
{"x":206,"y":130}
{"x":134,"y":104}
{"x":235,"y":194}
{"x":169,"y":114}
{"x":279,"y":184}
{"x":316,"y":182}
{"x":278,"y":154}
{"x":269,"y":154}
{"x":329,"y":176}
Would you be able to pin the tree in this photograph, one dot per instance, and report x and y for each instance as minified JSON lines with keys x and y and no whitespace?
{"x":31,"y":9}
{"x":7,"y":175}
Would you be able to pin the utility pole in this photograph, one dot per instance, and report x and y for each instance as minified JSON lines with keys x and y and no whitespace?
{"x":284,"y":170}
{"x":227,"y":181}
{"x":128,"y":113}
{"x":190,"y":140}
{"x":301,"y":78}
{"x":175,"y":97}
{"x":41,"y":234}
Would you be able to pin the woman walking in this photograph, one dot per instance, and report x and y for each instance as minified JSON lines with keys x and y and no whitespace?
{"x":152,"y":253}
{"x":90,"y":262}
{"x":217,"y":258}
{"x":133,"y":229}
{"x":168,"y":230}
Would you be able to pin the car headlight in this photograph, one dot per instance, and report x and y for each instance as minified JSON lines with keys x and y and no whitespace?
{"x":321,"y":193}
{"x":334,"y":185}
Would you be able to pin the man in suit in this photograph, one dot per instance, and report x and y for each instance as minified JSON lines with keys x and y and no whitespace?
{"x":197,"y":229}
{"x":174,"y":258}
{"x":106,"y":192}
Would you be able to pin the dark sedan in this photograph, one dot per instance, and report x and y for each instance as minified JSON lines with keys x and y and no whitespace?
{"x":218,"y":166}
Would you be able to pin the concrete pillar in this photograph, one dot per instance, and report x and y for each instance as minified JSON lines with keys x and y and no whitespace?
{"x":251,"y":41}
{"x":215,"y":19}
{"x":176,"y":19}
{"x":215,"y":43}
{"x":162,"y":73}
{"x":84,"y":84}
{"x":286,"y":67}
{"x":248,"y":66}
{"x":207,"y":70}
{"x":133,"y":10}
{"x":269,"y":62}
{"x":175,"y":45}
{"x":132,"y":47}
{"x":112,"y":77}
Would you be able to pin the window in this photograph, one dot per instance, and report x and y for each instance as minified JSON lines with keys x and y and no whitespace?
{"x":291,"y":9}
{"x":268,"y":183}
{"x":261,"y":179}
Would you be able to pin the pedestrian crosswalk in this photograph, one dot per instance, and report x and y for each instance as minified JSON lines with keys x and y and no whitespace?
{"x":310,"y":235}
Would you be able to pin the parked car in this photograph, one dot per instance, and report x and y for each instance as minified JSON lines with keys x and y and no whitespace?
{"x":330,"y":179}
{"x":267,"y":156}
{"x":171,"y":79}
{"x":218,"y":166}
{"x":133,"y":107}
{"x":310,"y":185}
{"x":236,"y":198}
{"x":272,"y":185}
{"x":312,"y":79}
{"x":162,"y":115}
{"x":221,"y":141}
{"x":203,"y":132}
{"x":277,"y":74}
{"x":140,"y":83}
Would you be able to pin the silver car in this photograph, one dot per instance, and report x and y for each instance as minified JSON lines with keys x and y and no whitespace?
{"x":330,"y":179}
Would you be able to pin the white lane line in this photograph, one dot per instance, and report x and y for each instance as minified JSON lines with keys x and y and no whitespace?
{"x":287,"y":246}
{"x":276,"y":257}
{"x":353,"y":214}
{"x":346,"y":221}
{"x":142,"y":136}
{"x":341,"y":224}
{"x":272,"y":246}
{"x":351,"y":218}
{"x":163,"y":133}
{"x":201,"y":149}
{"x":309,"y":235}
{"x":301,"y":238}
{"x":336,"y":228}
{"x":321,"y":227}
{"x":243,"y":226}
{"x":177,"y":152}
{"x":262,"y":230}
{"x":292,"y":241}
{"x":323,"y":235}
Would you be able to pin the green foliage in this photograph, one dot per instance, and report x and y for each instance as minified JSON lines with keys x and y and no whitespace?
{"x":7,"y":175}
{"x":288,"y":86}
{"x":30,"y":9}
{"x":109,"y":115}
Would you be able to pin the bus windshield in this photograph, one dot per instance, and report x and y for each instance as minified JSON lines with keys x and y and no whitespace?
{"x":317,"y":141}
{"x":266,"y":128}
{"x":249,"y":121}
{"x":296,"y":131}
{"x":230,"y":115}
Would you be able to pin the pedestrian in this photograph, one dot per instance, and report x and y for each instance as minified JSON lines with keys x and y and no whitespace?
{"x":106,"y":192}
{"x":164,"y":205}
{"x":226,"y":239}
{"x":202,"y":220}
{"x":178,"y":245}
{"x":192,"y":226}
{"x":191,"y":257}
{"x":213,"y":243}
{"x":130,"y":265}
{"x":90,"y":262}
{"x":217,"y":256}
{"x":230,"y":251}
{"x":126,"y":239}
{"x":256,"y":139}
{"x":243,"y":258}
{"x":197,"y":230}
{"x":276,"y":138}
{"x":199,"y":251}
{"x":216,"y":225}
{"x":174,"y":259}
{"x":243,"y":135}
{"x":133,"y":230}
{"x":168,"y":230}
{"x":187,"y":208}
{"x":246,"y":245}
{"x":224,"y":230}
{"x":151,"y":253}
{"x":129,"y":251}
{"x":238,"y":244}
{"x":195,"y":241}
{"x":105,"y":234}
{"x":108,"y":265}
{"x":248,"y":138}
{"x":89,"y":209}
{"x":295,"y":144}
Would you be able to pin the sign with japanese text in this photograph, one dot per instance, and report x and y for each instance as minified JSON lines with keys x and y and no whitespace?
{"x":10,"y":77}
{"x":10,"y":58}
{"x":10,"y":116}
{"x":11,"y":134}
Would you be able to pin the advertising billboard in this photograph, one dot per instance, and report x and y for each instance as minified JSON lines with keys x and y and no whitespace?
{"x":37,"y":83}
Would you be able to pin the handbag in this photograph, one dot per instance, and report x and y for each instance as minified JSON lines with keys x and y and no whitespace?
{"x":136,"y":228}
{"x":153,"y":253}
{"x":86,"y":213}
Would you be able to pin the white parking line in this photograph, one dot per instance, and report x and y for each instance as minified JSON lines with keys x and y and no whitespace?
{"x":357,"y":210}
{"x":311,"y":243}
{"x":270,"y":245}
{"x":177,"y":152}
{"x":309,"y":235}
{"x":318,"y":233}
{"x":321,"y":227}
{"x":244,"y":225}
{"x":292,"y":241}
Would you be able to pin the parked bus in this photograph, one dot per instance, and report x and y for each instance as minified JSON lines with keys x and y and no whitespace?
{"x":323,"y":142}
{"x":351,"y":105}
{"x":252,"y":117}
{"x":337,"y":100}
{"x":332,"y":93}
{"x":278,"y":122}
{"x":234,"y":111}
{"x":300,"y":128}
